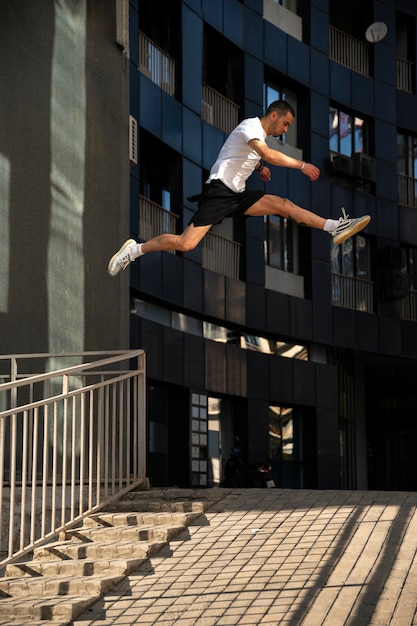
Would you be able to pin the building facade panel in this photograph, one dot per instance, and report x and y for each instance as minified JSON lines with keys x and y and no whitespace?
{"x":285,"y":344}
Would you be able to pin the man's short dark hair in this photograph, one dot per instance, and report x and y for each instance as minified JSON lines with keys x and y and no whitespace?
{"x":281,"y":107}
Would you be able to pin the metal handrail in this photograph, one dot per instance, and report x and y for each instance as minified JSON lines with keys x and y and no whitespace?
{"x":407,"y":190}
{"x":155,"y":220}
{"x":352,"y":292}
{"x":404,"y":74}
{"x":71,"y":441}
{"x":221,"y":255}
{"x":409,"y":306}
{"x":156,"y":65}
{"x":349,"y":51}
{"x":218,"y":110}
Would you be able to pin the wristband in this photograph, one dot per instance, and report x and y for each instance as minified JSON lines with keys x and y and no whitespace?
{"x":303,"y":165}
{"x":261,"y":167}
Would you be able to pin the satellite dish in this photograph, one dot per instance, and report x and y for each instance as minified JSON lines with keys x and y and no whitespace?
{"x":376,"y":31}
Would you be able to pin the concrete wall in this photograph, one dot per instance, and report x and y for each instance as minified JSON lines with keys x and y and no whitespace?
{"x":64,"y":176}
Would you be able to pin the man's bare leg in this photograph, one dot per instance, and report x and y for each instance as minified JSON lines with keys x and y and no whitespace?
{"x":185,"y":242}
{"x":275,"y":205}
{"x":340,"y":229}
{"x":131,"y":250}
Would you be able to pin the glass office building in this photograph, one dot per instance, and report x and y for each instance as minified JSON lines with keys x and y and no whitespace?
{"x":267,"y":331}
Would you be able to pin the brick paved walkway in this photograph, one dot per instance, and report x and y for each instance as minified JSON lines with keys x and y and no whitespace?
{"x":299,"y":558}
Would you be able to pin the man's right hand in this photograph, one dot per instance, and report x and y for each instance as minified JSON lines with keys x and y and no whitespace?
{"x":311,"y":171}
{"x":265,"y":174}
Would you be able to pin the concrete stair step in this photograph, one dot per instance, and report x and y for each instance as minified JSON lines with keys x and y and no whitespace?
{"x":46,"y":586}
{"x":128,"y":518}
{"x":77,"y":568}
{"x":32,"y":622}
{"x":123,"y":533}
{"x":111,"y":550}
{"x":49,"y":622}
{"x":65,"y":577}
{"x":157,"y":506}
{"x":31,"y":610}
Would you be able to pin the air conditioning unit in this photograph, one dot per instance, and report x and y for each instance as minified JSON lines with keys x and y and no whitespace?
{"x":342,"y":165}
{"x":393,"y":284}
{"x":393,"y":257}
{"x":364,"y":167}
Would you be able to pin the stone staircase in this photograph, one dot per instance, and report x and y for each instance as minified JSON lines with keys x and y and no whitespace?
{"x":66,"y":577}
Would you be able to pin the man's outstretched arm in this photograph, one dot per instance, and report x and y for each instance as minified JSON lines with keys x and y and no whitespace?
{"x":275,"y":157}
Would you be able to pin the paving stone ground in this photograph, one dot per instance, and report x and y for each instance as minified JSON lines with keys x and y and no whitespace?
{"x":290,"y":557}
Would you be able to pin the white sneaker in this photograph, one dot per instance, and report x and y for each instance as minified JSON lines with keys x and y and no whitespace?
{"x":121,"y":259}
{"x":348,"y":227}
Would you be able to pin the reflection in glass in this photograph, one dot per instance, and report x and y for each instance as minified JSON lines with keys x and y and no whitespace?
{"x":186,"y":324}
{"x":347,"y":257}
{"x":333,"y":130}
{"x":363,"y":258}
{"x":285,"y":446}
{"x":347,"y":133}
{"x":214,"y":332}
{"x":358,"y":139}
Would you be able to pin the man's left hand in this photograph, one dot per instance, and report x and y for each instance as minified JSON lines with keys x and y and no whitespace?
{"x":265,"y":174}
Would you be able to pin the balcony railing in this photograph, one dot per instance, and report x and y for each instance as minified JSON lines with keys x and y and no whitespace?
{"x":154,"y":220}
{"x":156,"y":64}
{"x":349,"y":51}
{"x":353,"y":293}
{"x":409,"y":306}
{"x":407,"y":190}
{"x":405,"y":75}
{"x":218,"y":110}
{"x":221,"y":255}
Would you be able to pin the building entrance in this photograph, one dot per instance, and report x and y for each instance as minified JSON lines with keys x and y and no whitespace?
{"x":392,"y":428}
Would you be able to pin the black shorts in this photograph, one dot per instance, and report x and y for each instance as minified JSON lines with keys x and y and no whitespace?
{"x":217,"y":202}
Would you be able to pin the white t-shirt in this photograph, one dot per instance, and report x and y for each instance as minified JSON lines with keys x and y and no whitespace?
{"x":236,"y":160}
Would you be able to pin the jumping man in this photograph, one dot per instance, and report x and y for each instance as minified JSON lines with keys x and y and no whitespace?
{"x":225,"y":193}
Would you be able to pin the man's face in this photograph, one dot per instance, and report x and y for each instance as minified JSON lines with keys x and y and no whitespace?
{"x":280,"y":125}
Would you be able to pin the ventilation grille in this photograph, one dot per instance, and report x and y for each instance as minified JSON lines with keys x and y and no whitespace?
{"x":133,"y":140}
